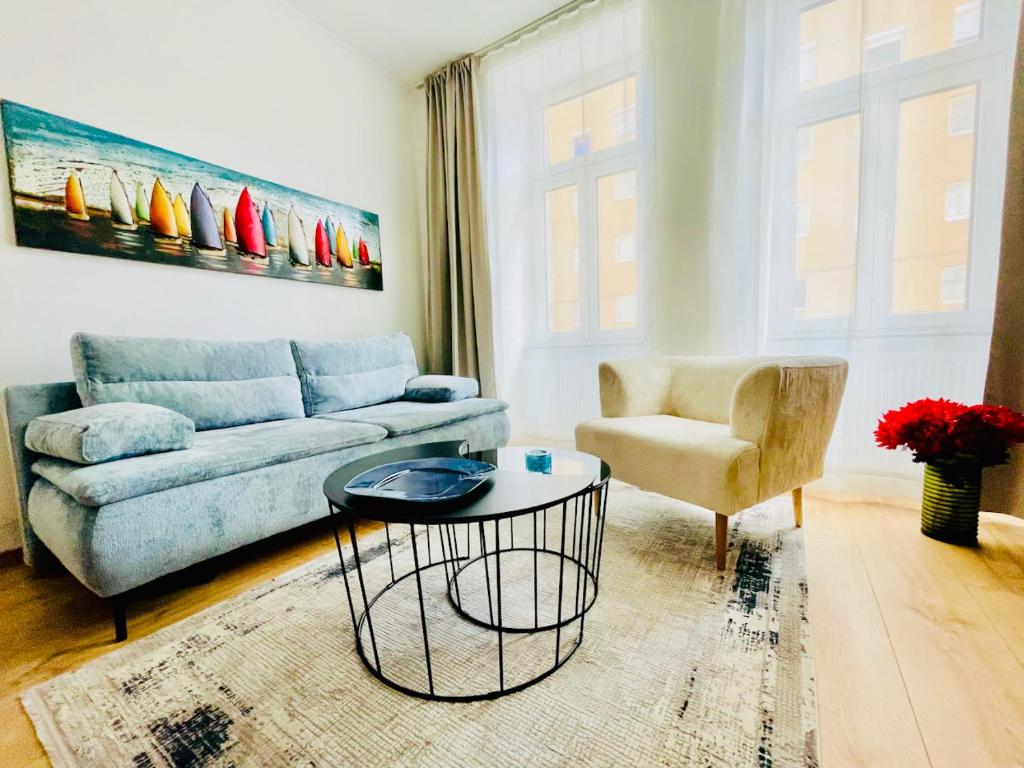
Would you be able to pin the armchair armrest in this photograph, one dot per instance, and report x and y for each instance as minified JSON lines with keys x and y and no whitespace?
{"x":638,"y":387}
{"x":788,"y":407}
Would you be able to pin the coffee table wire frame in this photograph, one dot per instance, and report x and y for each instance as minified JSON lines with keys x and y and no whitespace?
{"x":585,"y":538}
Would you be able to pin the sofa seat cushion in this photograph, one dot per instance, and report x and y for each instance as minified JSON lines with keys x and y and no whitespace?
{"x":217,"y":384}
{"x":403,"y":417}
{"x":213,"y":454}
{"x":695,"y":461}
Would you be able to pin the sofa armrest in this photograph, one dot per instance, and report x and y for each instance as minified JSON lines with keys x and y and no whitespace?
{"x":437,"y":388}
{"x":788,"y":408}
{"x":638,"y":387}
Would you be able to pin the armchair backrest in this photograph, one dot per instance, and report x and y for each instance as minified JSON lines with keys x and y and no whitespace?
{"x":698,"y":388}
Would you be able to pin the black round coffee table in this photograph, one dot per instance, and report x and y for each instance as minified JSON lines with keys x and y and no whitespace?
{"x":483,"y":596}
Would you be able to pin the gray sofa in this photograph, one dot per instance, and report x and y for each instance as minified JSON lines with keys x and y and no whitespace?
{"x":272,"y":420}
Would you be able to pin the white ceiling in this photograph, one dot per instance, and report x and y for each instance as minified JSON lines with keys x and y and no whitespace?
{"x":411,"y":38}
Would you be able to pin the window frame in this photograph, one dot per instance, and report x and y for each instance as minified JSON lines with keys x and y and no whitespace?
{"x":584,"y":171}
{"x":876,"y":95}
{"x":895,"y":34}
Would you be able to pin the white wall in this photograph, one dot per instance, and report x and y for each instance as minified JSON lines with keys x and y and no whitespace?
{"x":254,"y":86}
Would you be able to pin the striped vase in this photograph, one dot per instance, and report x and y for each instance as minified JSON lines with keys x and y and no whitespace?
{"x":949,"y":510}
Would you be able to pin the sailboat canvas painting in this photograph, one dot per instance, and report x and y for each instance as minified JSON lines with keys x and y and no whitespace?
{"x":82,"y":189}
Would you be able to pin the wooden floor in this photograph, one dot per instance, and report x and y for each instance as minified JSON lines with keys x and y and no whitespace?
{"x":919,"y":646}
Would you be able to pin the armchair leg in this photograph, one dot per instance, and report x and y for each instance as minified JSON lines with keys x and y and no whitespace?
{"x":117,"y":607}
{"x":798,"y":506}
{"x":721,"y":535}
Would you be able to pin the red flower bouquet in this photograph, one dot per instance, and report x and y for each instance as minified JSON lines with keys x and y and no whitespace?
{"x":951,"y":434}
{"x":959,"y":439}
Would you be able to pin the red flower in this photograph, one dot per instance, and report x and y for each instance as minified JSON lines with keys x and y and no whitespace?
{"x":943,"y":431}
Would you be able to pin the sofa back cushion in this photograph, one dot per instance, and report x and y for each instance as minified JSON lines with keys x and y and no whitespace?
{"x":215,"y":383}
{"x":701,"y":388}
{"x":339,"y":375}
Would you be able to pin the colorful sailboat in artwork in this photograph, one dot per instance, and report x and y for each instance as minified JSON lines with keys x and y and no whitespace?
{"x":344,"y":252}
{"x":141,"y":204}
{"x":298,"y":249}
{"x":205,"y":234}
{"x":249,"y":226}
{"x":321,"y":246}
{"x":181,"y":217}
{"x":269,"y":229}
{"x":364,"y":253}
{"x":230,"y":236}
{"x":332,"y":236}
{"x":120,"y":208}
{"x":74,"y":198}
{"x":161,"y":212}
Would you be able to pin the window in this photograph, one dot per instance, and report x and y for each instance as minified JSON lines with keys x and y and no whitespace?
{"x":625,"y":247}
{"x":800,"y":294}
{"x":563,"y":247}
{"x":803,"y":220}
{"x":958,"y":201}
{"x":918,"y":128}
{"x":883,"y":49}
{"x":897,"y":148}
{"x":967,"y":23}
{"x":805,"y":143}
{"x":625,"y":185}
{"x":616,"y":249}
{"x":840,"y":39}
{"x":885,"y":255}
{"x":953,"y":285}
{"x":590,"y":202}
{"x":808,"y":63}
{"x":625,"y":309}
{"x":581,"y":143}
{"x":961,"y":115}
{"x":624,"y":121}
{"x":591,"y":122}
{"x":931,"y":214}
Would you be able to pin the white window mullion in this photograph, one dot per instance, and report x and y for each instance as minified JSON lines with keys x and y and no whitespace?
{"x":879,"y":152}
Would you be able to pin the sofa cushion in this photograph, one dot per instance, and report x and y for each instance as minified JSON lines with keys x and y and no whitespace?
{"x":215,"y":383}
{"x":339,"y":375}
{"x":433,"y":388}
{"x":214,"y":453}
{"x":695,"y":461}
{"x":109,"y":431}
{"x":403,"y":417}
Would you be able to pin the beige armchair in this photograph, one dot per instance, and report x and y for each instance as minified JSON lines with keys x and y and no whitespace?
{"x":723,"y":433}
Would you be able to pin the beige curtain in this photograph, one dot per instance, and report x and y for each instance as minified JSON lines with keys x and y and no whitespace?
{"x":1004,"y":384}
{"x":459,"y":336}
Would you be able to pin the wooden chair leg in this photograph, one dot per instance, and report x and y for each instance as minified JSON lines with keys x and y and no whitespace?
{"x":798,"y":506}
{"x":721,"y":535}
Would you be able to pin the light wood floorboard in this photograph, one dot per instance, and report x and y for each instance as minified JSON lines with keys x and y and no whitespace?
{"x":919,"y":646}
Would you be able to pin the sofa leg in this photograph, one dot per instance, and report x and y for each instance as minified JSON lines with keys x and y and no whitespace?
{"x":721,"y":536}
{"x":798,"y":506}
{"x":117,"y":607}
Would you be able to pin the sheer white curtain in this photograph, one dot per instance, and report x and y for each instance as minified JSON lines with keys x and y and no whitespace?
{"x":879,"y":160}
{"x":730,"y":177}
{"x":565,"y":157}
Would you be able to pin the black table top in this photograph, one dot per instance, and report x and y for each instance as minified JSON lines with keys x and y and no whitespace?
{"x":510,"y":491}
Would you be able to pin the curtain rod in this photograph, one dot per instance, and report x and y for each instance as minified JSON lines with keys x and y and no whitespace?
{"x":520,"y":33}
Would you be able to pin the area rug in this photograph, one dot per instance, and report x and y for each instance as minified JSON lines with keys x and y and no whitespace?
{"x":680,"y":665}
